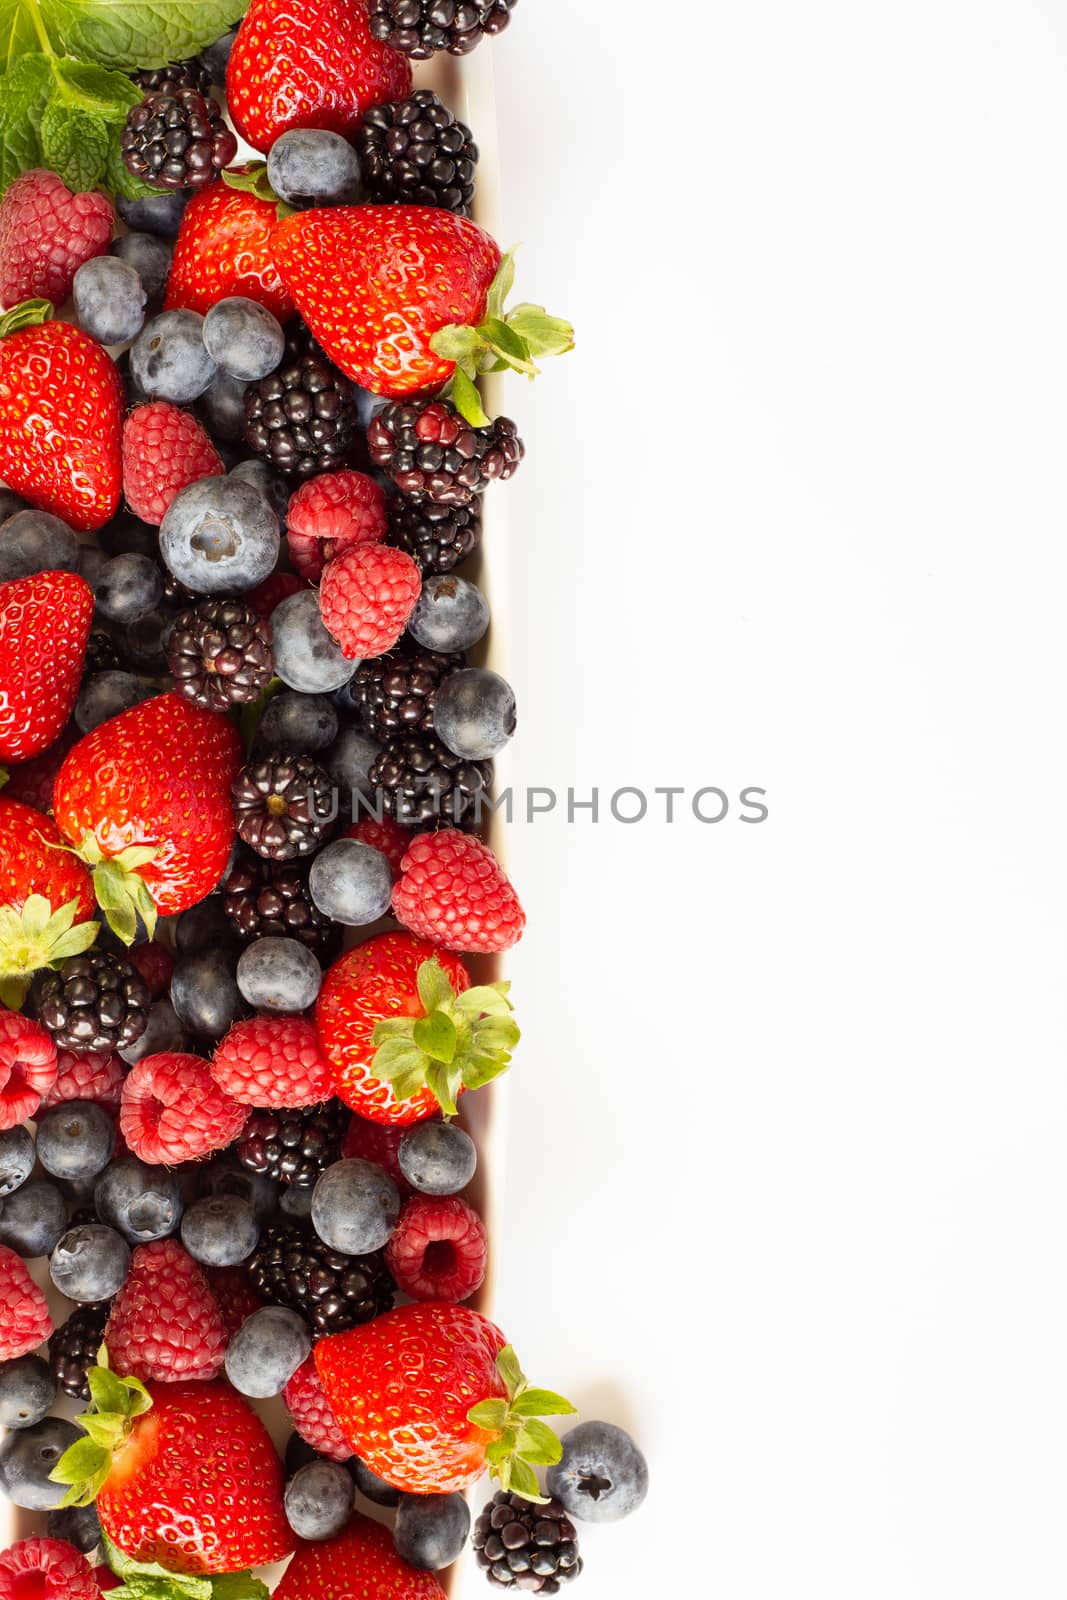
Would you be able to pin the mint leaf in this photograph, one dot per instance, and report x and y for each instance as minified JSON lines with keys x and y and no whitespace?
{"x":74,"y":144}
{"x":238,"y":1586}
{"x":108,"y":94}
{"x":145,"y":33}
{"x":18,"y":32}
{"x":24,"y":93}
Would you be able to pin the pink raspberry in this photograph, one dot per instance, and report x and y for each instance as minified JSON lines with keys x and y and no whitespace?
{"x":453,"y":891}
{"x":163,"y":450}
{"x":46,"y":234}
{"x":330,"y":513}
{"x":384,"y":835}
{"x":439,"y":1248}
{"x":368,"y":593}
{"x":87,"y":1077}
{"x":174,"y":1111}
{"x":235,"y":1295}
{"x":28,"y":1067}
{"x":312,"y":1413}
{"x":155,"y":964}
{"x":269,"y":594}
{"x":165,"y":1324}
{"x":273,"y":1061}
{"x":46,"y":1569}
{"x":24,"y":1319}
{"x":377,"y":1142}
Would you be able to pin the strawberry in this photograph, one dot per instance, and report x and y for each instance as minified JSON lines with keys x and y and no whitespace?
{"x":223,"y":243}
{"x":145,"y":799}
{"x":308,"y":66}
{"x":360,"y":1561}
{"x":46,"y":897}
{"x":405,"y":1033}
{"x":184,"y":1474}
{"x":61,"y":406}
{"x":44,"y":629}
{"x":455,"y":1403}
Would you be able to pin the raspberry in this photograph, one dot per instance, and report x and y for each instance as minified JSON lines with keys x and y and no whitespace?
{"x":384,"y":835}
{"x":165,"y":1324}
{"x":439,"y":1248}
{"x":329,"y":514}
{"x":24,"y":1319}
{"x":155,"y":964}
{"x":377,"y":1142}
{"x":368,"y":593}
{"x":87,"y":1077}
{"x":46,"y":1569}
{"x":452,"y":891}
{"x":235,"y":1296}
{"x":174,"y":1111}
{"x":272,"y":591}
{"x":312,"y":1413}
{"x":273,"y":1061}
{"x":163,"y":450}
{"x":28,"y":1067}
{"x":46,"y":234}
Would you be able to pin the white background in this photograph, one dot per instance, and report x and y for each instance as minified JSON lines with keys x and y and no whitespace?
{"x":787,"y":1174}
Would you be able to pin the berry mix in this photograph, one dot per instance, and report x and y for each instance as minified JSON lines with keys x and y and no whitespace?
{"x":244,"y":749}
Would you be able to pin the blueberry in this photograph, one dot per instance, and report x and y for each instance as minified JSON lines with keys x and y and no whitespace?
{"x":91,"y":564}
{"x":104,"y":695}
{"x":302,"y":723}
{"x":220,"y":1230}
{"x":144,"y":642}
{"x":109,"y":298}
{"x":160,"y":214}
{"x":205,"y":995}
{"x":243,"y":338}
{"x":10,"y":502}
{"x":163,"y":1032}
{"x":258,"y":1192}
{"x":474,"y":713}
{"x":437,"y":1158}
{"x":17,"y":1156}
{"x":28,"y":1455}
{"x":144,"y":1203}
{"x":223,"y":406}
{"x":75,"y":1140}
{"x":128,"y":535}
{"x":602,"y":1475}
{"x":319,"y":1500}
{"x":150,"y":258}
{"x":76,"y":1525}
{"x":216,"y":57}
{"x":129,"y":587}
{"x":220,"y":536}
{"x":451,"y":613}
{"x":371,"y":1486}
{"x":33,"y":1219}
{"x":431,"y":1529}
{"x":296,"y":1201}
{"x":349,"y":760}
{"x":204,"y":926}
{"x":306,"y":657}
{"x":168,"y":360}
{"x":351,"y":882}
{"x":271,"y":485}
{"x":91,"y":1262}
{"x":35,"y":541}
{"x":311,"y":167}
{"x":355,"y":1207}
{"x":27,"y":1391}
{"x":298,"y":1453}
{"x":266,"y":1350}
{"x":278,"y":974}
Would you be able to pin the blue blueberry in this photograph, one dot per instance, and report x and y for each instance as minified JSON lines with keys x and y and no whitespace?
{"x":312,"y":167}
{"x":110,"y":298}
{"x":298,"y":1453}
{"x":271,"y":485}
{"x":129,"y":587}
{"x":168,"y":360}
{"x":349,"y":760}
{"x":431,"y":1529}
{"x":149,"y":256}
{"x":223,"y":406}
{"x":298,"y":722}
{"x":91,"y":564}
{"x":602,"y":1475}
{"x":144,"y":642}
{"x":33,"y":1219}
{"x":354,"y":1207}
{"x":27,"y":1391}
{"x":144,"y":1203}
{"x":225,"y":1178}
{"x":220,"y":536}
{"x":351,"y":882}
{"x":204,"y":926}
{"x":28,"y":1455}
{"x":216,"y":57}
{"x":35,"y":541}
{"x":266,"y":1350}
{"x":306,"y":657}
{"x":204,"y":994}
{"x":220,"y":1230}
{"x":437,"y":1158}
{"x":90,"y":1262}
{"x":104,"y":695}
{"x":160,"y":214}
{"x":163,"y":1032}
{"x":17,"y":1155}
{"x":75,"y":1139}
{"x":10,"y":502}
{"x":279,"y":975}
{"x":371,"y":1486}
{"x":450,"y":614}
{"x":243,"y":338}
{"x":319,"y":1499}
{"x":474,"y":713}
{"x":296,"y":1201}
{"x":77,"y":1525}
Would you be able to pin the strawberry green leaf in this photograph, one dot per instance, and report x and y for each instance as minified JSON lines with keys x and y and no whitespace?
{"x":447,"y":1050}
{"x":106,"y":1391}
{"x":35,"y":915}
{"x":511,"y":1374}
{"x":104,"y":1431}
{"x":501,"y":286}
{"x":36,"y":937}
{"x":433,"y":985}
{"x":488,"y":999}
{"x":238,"y":1586}
{"x":502,"y":338}
{"x":492,"y":1415}
{"x":79,"y":1462}
{"x":29,"y":314}
{"x":538,"y":1444}
{"x":524,"y":1482}
{"x":458,"y":342}
{"x":443,"y":1087}
{"x":542,"y":1403}
{"x":467,"y":401}
{"x":435,"y":1035}
{"x":542,"y":335}
{"x":254,"y":180}
{"x":499,"y":1452}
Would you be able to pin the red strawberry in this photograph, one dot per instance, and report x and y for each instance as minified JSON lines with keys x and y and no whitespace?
{"x":46,"y":234}
{"x":24,"y":1319}
{"x":222,"y":249}
{"x":61,"y":405}
{"x":146,"y":800}
{"x":165,"y":1323}
{"x":361,"y":1561}
{"x":308,"y":66}
{"x":428,"y":1423}
{"x":163,"y":450}
{"x":28,"y":1067}
{"x":35,"y":868}
{"x":453,"y":890}
{"x":44,"y":628}
{"x":331,"y":512}
{"x":368,"y":593}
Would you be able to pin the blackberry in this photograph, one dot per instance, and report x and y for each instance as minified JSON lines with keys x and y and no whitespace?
{"x":100,"y":654}
{"x":293,"y":1147}
{"x":284,"y":806}
{"x":420,"y":783}
{"x":394,"y":694}
{"x":431,"y":453}
{"x":96,"y":1003}
{"x":263,"y":897}
{"x":302,"y":418}
{"x":191,"y":74}
{"x":414,"y":152}
{"x":219,"y":653}
{"x":526,"y":1547}
{"x":74,"y":1348}
{"x":177,"y":140}
{"x":422,"y":27}
{"x":437,"y":537}
{"x":292,"y":1267}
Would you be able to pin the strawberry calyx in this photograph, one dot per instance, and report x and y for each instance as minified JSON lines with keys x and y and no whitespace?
{"x":33,"y":936}
{"x":253,"y":179}
{"x":121,"y":892}
{"x":522,"y":1440}
{"x":28,"y":314}
{"x":115,"y":1403}
{"x":463,"y":1041}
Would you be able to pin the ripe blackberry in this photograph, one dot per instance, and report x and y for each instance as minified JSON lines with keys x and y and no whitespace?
{"x":421,"y":783}
{"x":414,"y":152}
{"x":74,"y":1347}
{"x":284,"y":806}
{"x":293,"y":1147}
{"x":431,"y":453}
{"x":97,"y":1002}
{"x":191,"y":74}
{"x":100,"y":653}
{"x":177,"y":140}
{"x":422,"y":27}
{"x":263,"y":897}
{"x":394,"y":694}
{"x":220,"y":655}
{"x":302,"y":418}
{"x":526,"y":1547}
{"x":292,"y":1267}
{"x":437,"y":537}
